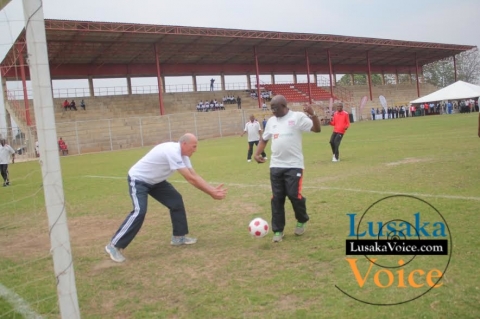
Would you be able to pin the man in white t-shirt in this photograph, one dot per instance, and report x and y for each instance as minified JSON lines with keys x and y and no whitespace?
{"x":253,"y":130}
{"x":286,"y":161}
{"x":6,"y":151}
{"x":149,"y":177}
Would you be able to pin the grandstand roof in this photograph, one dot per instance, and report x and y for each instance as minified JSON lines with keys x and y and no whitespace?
{"x":79,"y":48}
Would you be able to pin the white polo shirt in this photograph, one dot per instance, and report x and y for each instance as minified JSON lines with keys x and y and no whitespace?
{"x":6,"y":153}
{"x":253,"y":130}
{"x":286,"y":135}
{"x":160,"y":163}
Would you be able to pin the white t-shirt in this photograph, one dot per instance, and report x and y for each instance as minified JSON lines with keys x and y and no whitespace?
{"x":253,"y":130}
{"x":160,"y":163}
{"x":6,"y":153}
{"x":286,"y":135}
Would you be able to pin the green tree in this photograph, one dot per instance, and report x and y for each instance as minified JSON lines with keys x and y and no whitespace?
{"x":359,"y":79}
{"x":441,"y":73}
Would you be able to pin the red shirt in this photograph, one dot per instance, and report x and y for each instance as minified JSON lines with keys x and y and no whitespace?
{"x":340,"y":122}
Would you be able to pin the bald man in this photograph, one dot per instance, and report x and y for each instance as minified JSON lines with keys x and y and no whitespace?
{"x":149,"y":177}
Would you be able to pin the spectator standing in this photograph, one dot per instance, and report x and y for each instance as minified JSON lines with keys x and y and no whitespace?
{"x":82,"y":105}
{"x":285,"y":129}
{"x":62,"y":146}
{"x":239,"y":102}
{"x":211,"y":84}
{"x":340,"y":122}
{"x":6,"y":151}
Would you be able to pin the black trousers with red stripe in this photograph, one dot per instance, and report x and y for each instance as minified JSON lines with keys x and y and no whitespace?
{"x":287,"y":182}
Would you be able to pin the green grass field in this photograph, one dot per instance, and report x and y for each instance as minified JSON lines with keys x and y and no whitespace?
{"x":228,"y":274}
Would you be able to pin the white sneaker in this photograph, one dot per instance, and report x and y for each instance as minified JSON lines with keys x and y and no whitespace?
{"x":335,"y":160}
{"x":249,"y":161}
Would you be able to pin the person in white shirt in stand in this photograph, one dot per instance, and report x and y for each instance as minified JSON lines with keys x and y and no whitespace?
{"x":6,"y":151}
{"x":253,"y":130}
{"x":149,"y":177}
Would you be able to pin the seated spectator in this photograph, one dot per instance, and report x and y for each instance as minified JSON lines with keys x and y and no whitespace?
{"x":264,"y":107}
{"x":65,"y":105}
{"x":82,"y":105}
{"x":62,"y":146}
{"x":72,"y":105}
{"x":222,"y":107}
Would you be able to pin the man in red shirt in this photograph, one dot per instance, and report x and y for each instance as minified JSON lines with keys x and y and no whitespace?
{"x":340,"y":122}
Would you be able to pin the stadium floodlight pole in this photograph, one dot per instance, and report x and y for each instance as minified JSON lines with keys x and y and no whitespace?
{"x":50,"y":159}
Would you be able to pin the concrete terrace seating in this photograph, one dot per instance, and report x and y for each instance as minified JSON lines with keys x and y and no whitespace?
{"x":288,"y":90}
{"x":298,"y":92}
{"x":317,"y":93}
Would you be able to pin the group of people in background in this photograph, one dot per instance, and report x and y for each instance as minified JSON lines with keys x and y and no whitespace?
{"x":422,"y":109}
{"x":72,"y":105}
{"x":208,"y":106}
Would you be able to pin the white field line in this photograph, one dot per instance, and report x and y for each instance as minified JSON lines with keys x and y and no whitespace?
{"x":323,"y":188}
{"x":19,"y":305}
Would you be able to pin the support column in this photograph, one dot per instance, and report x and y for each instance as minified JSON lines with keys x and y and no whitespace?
{"x":24,"y":84}
{"x":164,"y":88}
{"x":383,"y":78}
{"x":315,"y":78}
{"x":295,"y":77}
{"x":330,"y":71}
{"x":249,"y":82}
{"x":455,"y":68}
{"x":352,"y":79}
{"x":396,"y":76}
{"x":159,"y":79}
{"x":8,"y":119}
{"x":90,"y":86}
{"x":259,"y":99}
{"x":222,"y":81}
{"x":194,"y":82}
{"x":129,"y":85}
{"x":308,"y":77}
{"x":369,"y":77}
{"x":416,"y":75}
{"x":410,"y":76}
{"x":272,"y":76}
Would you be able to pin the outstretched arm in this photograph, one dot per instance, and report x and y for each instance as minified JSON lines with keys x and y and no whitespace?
{"x":196,"y":180}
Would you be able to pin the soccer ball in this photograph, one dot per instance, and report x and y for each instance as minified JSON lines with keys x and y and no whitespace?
{"x":258,"y":227}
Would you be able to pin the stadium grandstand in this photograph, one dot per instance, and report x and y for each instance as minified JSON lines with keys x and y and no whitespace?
{"x":119,"y":118}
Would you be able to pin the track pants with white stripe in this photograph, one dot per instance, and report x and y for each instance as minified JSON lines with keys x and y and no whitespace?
{"x":287,"y":182}
{"x":164,"y":193}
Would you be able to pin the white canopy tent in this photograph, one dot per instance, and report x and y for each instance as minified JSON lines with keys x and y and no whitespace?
{"x":457,"y":91}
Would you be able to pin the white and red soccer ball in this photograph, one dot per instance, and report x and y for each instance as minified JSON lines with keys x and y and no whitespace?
{"x":258,"y":227}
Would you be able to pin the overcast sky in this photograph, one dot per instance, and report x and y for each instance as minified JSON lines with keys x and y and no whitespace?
{"x":441,"y":21}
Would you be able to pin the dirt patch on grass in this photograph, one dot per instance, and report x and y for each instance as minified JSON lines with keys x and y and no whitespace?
{"x":408,"y":160}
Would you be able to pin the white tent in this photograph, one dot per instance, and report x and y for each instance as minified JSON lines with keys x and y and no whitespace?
{"x":457,"y":91}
